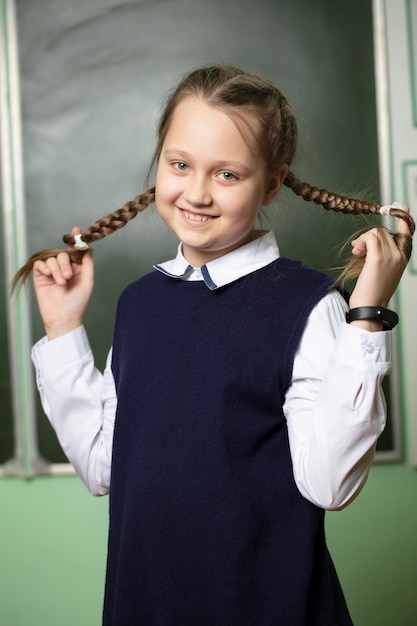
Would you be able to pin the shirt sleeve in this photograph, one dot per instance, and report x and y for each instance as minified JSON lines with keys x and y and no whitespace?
{"x":80,"y":403}
{"x":335,"y":408}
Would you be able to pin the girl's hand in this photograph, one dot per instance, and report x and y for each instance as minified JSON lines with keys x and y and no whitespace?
{"x":382,"y":270}
{"x":63,"y":290}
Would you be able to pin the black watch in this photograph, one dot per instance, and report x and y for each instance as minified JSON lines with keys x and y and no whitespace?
{"x":388,"y":318}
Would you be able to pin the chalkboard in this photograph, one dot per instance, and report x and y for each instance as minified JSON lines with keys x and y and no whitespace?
{"x":93,"y":77}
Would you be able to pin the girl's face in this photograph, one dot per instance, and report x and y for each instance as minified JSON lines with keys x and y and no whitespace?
{"x":209,"y":184}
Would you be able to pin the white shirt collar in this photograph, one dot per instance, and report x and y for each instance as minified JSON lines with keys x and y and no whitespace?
{"x":225,"y":269}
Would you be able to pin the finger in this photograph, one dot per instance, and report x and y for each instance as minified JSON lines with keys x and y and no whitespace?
{"x":55,"y":269}
{"x":65,"y":266}
{"x":366,"y":240}
{"x":358,"y":247}
{"x":40,"y":267}
{"x":88,"y":266}
{"x":76,"y":230}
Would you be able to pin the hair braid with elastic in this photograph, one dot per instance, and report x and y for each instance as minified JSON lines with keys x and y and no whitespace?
{"x":100,"y":229}
{"x":333,"y":202}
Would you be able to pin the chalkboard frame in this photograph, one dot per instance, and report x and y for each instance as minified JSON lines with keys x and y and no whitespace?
{"x":28,"y":453}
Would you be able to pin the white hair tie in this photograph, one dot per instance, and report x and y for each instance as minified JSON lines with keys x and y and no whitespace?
{"x":79,"y":243}
{"x":386,"y":209}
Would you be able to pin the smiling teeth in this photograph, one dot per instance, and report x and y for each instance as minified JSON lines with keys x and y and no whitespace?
{"x":196,"y":218}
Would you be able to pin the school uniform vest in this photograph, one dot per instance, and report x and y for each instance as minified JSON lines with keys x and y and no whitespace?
{"x":207,"y":526}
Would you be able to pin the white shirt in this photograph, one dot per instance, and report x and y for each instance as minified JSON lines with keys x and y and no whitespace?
{"x":335,"y":408}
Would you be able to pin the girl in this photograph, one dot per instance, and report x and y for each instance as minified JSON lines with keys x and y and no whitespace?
{"x":238,"y":402}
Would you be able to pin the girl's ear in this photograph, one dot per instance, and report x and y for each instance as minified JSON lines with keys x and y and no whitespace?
{"x":274,"y":183}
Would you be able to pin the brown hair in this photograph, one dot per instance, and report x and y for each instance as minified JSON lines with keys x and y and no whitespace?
{"x":235,"y":92}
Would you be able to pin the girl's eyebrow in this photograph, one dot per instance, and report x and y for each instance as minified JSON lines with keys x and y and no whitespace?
{"x":173,"y":152}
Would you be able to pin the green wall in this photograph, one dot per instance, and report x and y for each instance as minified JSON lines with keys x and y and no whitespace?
{"x":374,"y":546}
{"x":53,"y":552}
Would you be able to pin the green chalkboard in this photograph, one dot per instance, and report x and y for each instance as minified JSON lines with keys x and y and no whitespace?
{"x":93,"y":76}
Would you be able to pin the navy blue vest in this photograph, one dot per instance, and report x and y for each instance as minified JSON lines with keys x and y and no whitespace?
{"x":207,"y":526}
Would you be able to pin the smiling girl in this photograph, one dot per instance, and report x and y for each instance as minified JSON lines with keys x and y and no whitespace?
{"x":242,"y":395}
{"x":210,"y":183}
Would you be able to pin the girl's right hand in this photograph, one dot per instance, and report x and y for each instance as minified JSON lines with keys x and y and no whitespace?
{"x":63,"y":290}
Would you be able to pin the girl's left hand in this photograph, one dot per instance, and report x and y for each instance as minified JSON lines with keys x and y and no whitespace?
{"x":383,"y":267}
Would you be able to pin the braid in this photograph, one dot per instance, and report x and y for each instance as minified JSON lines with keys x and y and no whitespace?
{"x":116,"y":220}
{"x":333,"y":202}
{"x":100,"y":229}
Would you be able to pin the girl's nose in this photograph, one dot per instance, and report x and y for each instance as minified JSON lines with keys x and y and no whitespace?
{"x":197,"y":191}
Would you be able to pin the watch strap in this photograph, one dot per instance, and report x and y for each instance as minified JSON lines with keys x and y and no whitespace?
{"x":388,"y":318}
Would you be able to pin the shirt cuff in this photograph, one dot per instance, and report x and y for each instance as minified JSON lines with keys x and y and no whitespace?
{"x":50,"y":357}
{"x":355,"y":345}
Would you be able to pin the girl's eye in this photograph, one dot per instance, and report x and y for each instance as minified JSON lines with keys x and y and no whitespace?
{"x":180,"y":165}
{"x":227,"y":176}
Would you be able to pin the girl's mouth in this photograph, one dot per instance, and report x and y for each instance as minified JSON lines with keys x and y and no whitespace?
{"x":196,"y":218}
